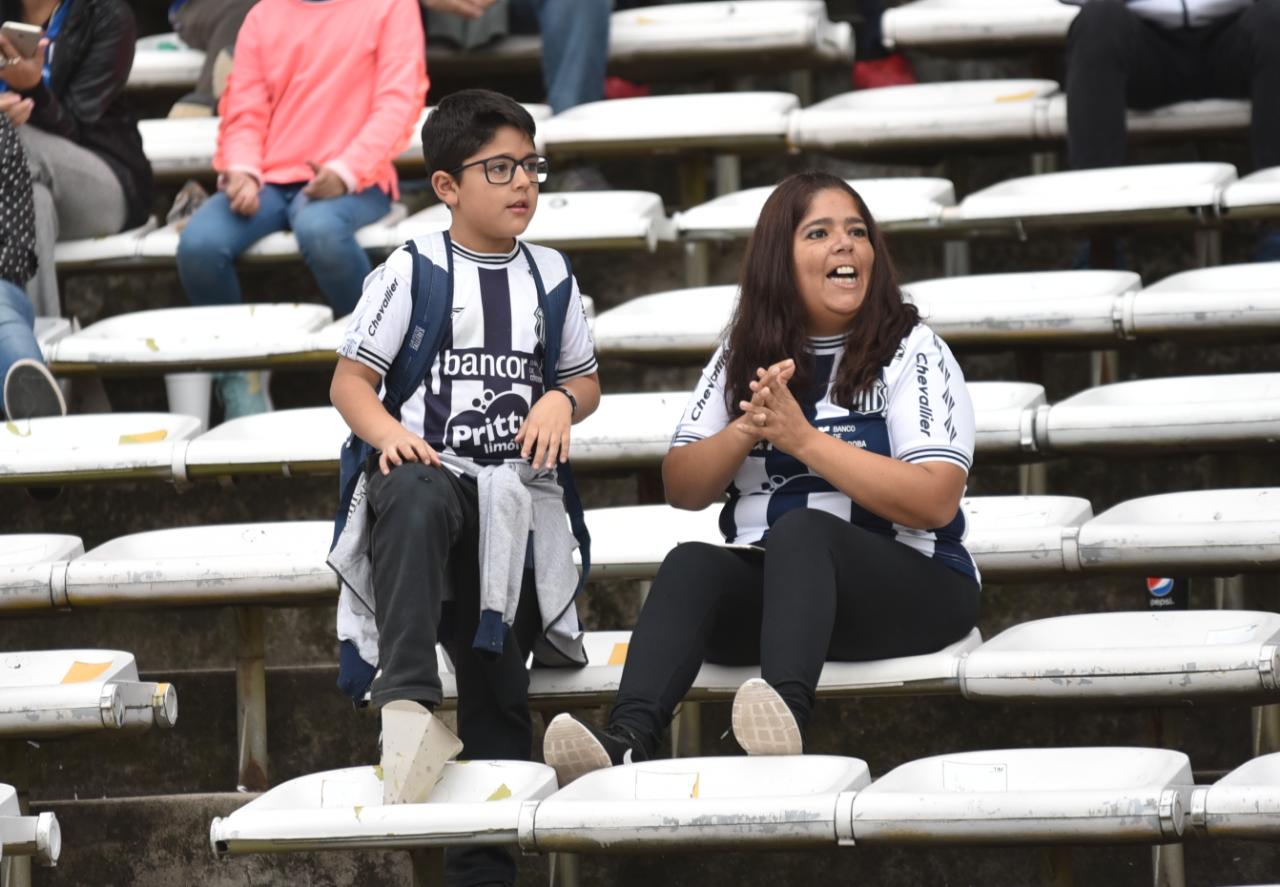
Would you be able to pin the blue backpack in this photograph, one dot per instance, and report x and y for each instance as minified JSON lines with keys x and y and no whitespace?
{"x":432,"y":307}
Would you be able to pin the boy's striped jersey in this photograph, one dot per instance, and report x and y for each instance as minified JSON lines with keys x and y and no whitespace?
{"x":918,"y":411}
{"x":489,"y":370}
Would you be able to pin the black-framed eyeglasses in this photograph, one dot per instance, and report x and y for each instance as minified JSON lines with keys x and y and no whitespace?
{"x":501,"y":170}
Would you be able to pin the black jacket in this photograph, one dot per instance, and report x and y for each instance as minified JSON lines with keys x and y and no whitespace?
{"x":85,"y":101}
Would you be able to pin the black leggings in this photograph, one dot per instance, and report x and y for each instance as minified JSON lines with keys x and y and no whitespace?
{"x":824,"y":590}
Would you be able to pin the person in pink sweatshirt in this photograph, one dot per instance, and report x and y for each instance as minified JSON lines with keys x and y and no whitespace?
{"x":323,"y":96}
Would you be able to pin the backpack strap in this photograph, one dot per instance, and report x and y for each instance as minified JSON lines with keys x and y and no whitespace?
{"x":432,"y":299}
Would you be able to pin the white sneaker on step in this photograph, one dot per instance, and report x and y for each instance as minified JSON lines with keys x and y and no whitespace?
{"x":415,"y":747}
{"x":762,"y":722}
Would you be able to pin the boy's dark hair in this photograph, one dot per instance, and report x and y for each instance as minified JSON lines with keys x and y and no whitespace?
{"x":464,"y":121}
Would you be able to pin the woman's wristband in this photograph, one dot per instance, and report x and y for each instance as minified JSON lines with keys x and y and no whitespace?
{"x":573,"y":401}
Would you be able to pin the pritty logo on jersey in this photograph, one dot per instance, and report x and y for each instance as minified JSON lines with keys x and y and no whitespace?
{"x":478,"y":364}
{"x":1159,"y":587}
{"x":490,"y":429}
{"x":386,"y":300}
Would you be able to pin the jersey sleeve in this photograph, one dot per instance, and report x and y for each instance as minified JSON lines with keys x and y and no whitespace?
{"x":377,"y":327}
{"x":706,"y":413}
{"x":929,"y":414}
{"x":577,"y":348}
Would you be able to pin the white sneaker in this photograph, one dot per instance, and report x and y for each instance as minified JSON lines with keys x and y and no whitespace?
{"x":31,"y":392}
{"x":762,"y":722}
{"x":415,"y":747}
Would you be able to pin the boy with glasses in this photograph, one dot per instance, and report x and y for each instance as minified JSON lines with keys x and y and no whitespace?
{"x":460,"y":482}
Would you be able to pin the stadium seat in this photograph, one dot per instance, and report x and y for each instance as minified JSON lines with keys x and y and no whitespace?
{"x":1036,"y":307}
{"x":959,"y":25}
{"x":1135,"y":657}
{"x":1194,"y":413}
{"x":1003,"y":412}
{"x":1257,"y":195}
{"x":1200,"y":119}
{"x":1172,"y":193}
{"x":628,"y":430}
{"x":284,"y":442}
{"x":226,"y":564}
{"x":64,"y":692}
{"x":164,"y":61}
{"x":1243,"y":804}
{"x":678,"y":326}
{"x":720,"y":803}
{"x":902,"y":204}
{"x":95,"y":251}
{"x":476,"y":803}
{"x":1236,"y":301}
{"x":39,"y":836}
{"x":93,"y":447}
{"x":49,"y":331}
{"x":27,"y":565}
{"x":1009,"y":536}
{"x":578,"y":220}
{"x":923,"y":116}
{"x":732,"y":122}
{"x":1203,"y":531}
{"x":1025,"y":796}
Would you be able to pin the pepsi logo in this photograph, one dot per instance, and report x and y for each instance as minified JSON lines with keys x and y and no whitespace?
{"x":1159,"y":587}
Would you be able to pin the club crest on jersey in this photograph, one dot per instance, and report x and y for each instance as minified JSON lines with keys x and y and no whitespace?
{"x":872,"y":400}
{"x":490,"y":428}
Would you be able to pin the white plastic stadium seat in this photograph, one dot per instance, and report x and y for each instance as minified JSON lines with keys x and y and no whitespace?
{"x":1009,"y":536}
{"x":1170,"y":192}
{"x":1049,"y":307}
{"x":577,"y":220}
{"x":49,"y":331}
{"x":475,"y":803}
{"x":1255,"y":196}
{"x":1003,"y":414}
{"x":1202,"y":118}
{"x":898,"y":204}
{"x":164,"y":61}
{"x":192,"y":338}
{"x":785,"y":802}
{"x":61,"y":692}
{"x":923,"y":116}
{"x":1229,"y":300}
{"x":677,"y":325}
{"x":976,"y":24}
{"x":1200,"y":413}
{"x":1160,"y":657}
{"x":112,"y":248}
{"x":628,"y":430}
{"x":735,"y":122}
{"x":1020,"y":796}
{"x":1243,"y":804}
{"x":288,"y":442}
{"x":211,"y":565}
{"x":94,"y":447}
{"x":39,"y":836}
{"x":1203,"y":531}
{"x":27,"y":565}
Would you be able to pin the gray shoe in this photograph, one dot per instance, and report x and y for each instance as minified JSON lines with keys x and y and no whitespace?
{"x":244,"y":393}
{"x":31,"y":392}
{"x":762,"y":722}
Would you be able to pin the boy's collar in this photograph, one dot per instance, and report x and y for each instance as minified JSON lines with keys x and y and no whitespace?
{"x":484,"y":258}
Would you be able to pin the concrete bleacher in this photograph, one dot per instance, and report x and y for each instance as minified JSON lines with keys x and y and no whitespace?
{"x":911,"y":784}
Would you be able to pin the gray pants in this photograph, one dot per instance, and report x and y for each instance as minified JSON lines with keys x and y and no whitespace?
{"x":76,"y":196}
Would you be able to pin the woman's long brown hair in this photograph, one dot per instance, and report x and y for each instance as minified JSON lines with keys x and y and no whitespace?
{"x":769,"y":323}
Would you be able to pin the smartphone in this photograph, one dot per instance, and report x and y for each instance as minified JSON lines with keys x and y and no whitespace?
{"x":25,"y":38}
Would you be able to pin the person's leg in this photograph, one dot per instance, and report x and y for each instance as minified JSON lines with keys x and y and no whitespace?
{"x":836,"y":591}
{"x":44,"y":286}
{"x":704,"y":605}
{"x":575,"y":46}
{"x":1116,"y":61}
{"x":88,"y":196}
{"x":17,"y":340}
{"x":423,"y":519}
{"x":1244,"y":62}
{"x":215,"y":236}
{"x":326,"y":232}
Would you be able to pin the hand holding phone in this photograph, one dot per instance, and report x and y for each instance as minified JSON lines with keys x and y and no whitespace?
{"x":21,"y":71}
{"x":23,"y":38}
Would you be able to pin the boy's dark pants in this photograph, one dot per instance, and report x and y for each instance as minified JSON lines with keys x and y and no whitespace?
{"x":426,"y":538}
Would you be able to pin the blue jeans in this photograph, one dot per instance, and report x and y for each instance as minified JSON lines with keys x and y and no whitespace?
{"x":325,"y":229}
{"x":17,"y":336}
{"x":575,"y":46}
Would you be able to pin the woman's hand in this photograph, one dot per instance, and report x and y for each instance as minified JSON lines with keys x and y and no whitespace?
{"x":773,"y":413}
{"x":16,"y":108}
{"x":545,"y":433}
{"x":326,"y":184}
{"x":242,"y":193}
{"x":22,"y":73}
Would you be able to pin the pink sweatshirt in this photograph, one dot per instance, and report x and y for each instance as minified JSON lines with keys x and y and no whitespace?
{"x":340,"y":83}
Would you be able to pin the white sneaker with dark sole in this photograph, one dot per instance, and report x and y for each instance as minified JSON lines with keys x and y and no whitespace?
{"x":31,"y":392}
{"x":762,"y":722}
{"x":572,"y":749}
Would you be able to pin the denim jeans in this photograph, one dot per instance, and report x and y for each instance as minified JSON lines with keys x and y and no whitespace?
{"x":325,"y":229}
{"x":17,"y":322}
{"x":575,"y":46}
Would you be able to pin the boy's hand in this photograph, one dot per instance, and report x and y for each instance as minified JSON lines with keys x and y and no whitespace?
{"x":545,"y":433}
{"x":404,"y":446}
